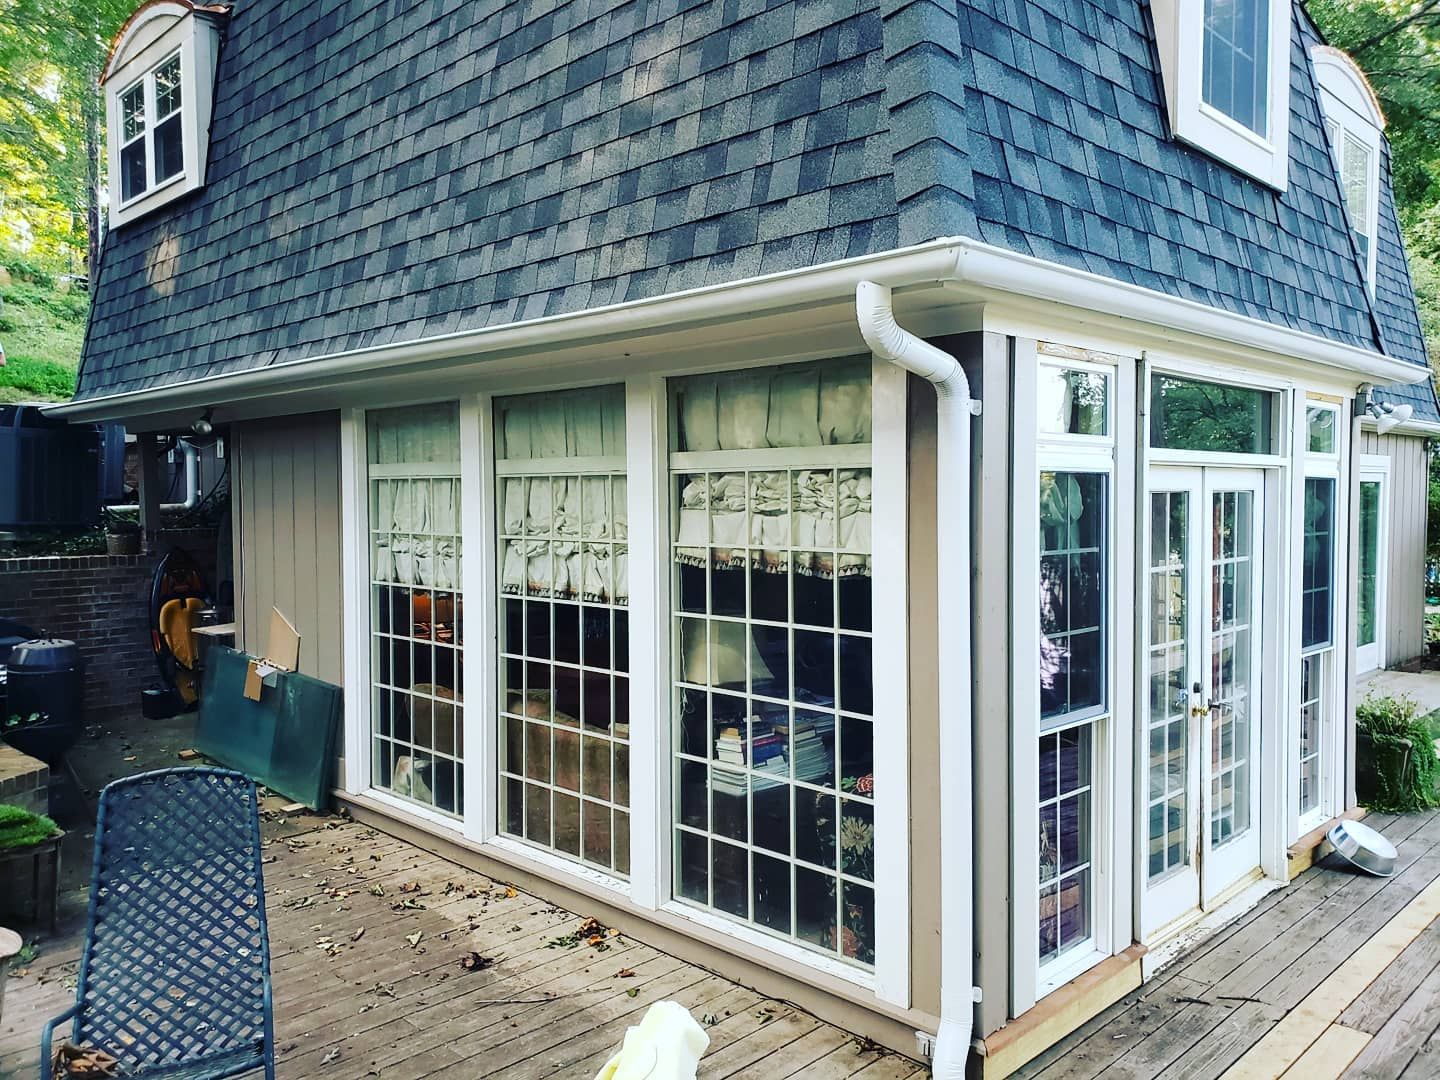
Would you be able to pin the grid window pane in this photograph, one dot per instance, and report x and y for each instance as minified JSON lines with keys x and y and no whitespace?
{"x":1318,"y":572}
{"x":773,"y":705}
{"x":1235,"y":62}
{"x":1312,"y":720}
{"x":1355,"y":176}
{"x":1066,"y":818}
{"x":564,"y":592}
{"x":417,"y":670}
{"x":1368,"y":599}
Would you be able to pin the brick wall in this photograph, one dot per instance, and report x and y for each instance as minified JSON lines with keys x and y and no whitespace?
{"x":102,"y":602}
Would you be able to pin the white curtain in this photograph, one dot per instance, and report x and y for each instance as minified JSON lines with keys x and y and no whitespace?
{"x":416,"y":519}
{"x":564,"y":535}
{"x":801,"y":405}
{"x":827,"y":509}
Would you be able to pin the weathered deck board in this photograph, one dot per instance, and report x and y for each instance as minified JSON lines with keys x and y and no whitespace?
{"x":1211,"y":1006}
{"x":546,"y":1005}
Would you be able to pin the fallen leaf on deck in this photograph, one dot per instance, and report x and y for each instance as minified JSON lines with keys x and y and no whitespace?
{"x":414,"y":939}
{"x":410,"y":886}
{"x":358,"y":934}
{"x":625,"y":973}
{"x":377,"y":889}
{"x":333,"y":1055}
{"x":475,"y":962}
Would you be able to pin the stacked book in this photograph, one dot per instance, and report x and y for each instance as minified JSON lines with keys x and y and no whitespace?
{"x":812,"y":757}
{"x":729,"y":750}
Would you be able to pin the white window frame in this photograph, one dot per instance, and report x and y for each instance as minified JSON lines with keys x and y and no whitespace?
{"x":1037,"y":452}
{"x":1318,"y":466}
{"x":159,"y":32}
{"x":648,"y":887}
{"x":1179,"y":29}
{"x":1374,"y":469}
{"x":1351,"y":110}
{"x":150,"y":120}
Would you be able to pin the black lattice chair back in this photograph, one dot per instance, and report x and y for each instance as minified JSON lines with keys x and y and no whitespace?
{"x":175,"y":973}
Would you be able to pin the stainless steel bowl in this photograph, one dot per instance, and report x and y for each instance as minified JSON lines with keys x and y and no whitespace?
{"x":1362,"y":846}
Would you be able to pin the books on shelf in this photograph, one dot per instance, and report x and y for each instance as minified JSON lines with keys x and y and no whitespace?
{"x":769,"y":756}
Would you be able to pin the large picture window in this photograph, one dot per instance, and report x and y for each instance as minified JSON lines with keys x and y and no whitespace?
{"x":1188,"y":414}
{"x":774,"y":749}
{"x":416,"y":617}
{"x":564,"y":624}
{"x":1073,"y":692}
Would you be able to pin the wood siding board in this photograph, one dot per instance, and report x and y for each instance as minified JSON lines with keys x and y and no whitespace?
{"x":288,"y":522}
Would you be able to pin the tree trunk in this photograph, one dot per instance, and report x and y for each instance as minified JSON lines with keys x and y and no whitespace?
{"x":93,"y":119}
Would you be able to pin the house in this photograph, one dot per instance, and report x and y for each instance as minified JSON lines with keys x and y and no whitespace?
{"x":906,"y":463}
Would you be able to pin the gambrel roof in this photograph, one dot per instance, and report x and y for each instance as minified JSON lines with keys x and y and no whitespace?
{"x":386,"y":171}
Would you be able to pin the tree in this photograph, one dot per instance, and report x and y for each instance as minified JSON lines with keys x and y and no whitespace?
{"x":52,"y":124}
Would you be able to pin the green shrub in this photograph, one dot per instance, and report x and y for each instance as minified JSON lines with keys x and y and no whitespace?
{"x":21,"y":829}
{"x":1395,"y":769}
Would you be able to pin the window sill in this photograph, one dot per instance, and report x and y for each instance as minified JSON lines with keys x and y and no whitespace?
{"x":136,"y":200}
{"x":760,"y":940}
{"x":1057,"y":974}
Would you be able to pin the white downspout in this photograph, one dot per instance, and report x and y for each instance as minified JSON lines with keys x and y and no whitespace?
{"x":192,"y":482}
{"x":958,"y":992}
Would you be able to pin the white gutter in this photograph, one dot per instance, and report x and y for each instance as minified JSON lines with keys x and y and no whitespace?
{"x":952,"y":259}
{"x":958,"y":992}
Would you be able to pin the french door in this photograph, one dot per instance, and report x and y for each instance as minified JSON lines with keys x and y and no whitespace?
{"x":1202,"y":784}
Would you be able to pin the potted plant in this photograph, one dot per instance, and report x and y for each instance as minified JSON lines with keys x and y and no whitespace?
{"x":1396,"y":770}
{"x":30,"y":856}
{"x":122,"y":533}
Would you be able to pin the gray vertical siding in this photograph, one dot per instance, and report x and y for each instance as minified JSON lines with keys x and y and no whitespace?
{"x":287,"y":535}
{"x":1405,"y":589}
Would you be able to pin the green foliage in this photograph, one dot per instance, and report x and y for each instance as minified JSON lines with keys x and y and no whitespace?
{"x":1396,"y":768}
{"x":21,"y":829}
{"x":42,"y":329}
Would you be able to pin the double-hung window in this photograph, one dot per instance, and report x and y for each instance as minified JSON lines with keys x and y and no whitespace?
{"x":1073,"y":491}
{"x":564,"y":708}
{"x":1353,"y":126}
{"x":773,"y":698}
{"x":416,"y":627}
{"x":1317,"y":607}
{"x":151,"y":141}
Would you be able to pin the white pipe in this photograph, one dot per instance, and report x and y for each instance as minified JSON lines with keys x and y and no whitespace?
{"x":192,"y":482}
{"x":958,"y":992}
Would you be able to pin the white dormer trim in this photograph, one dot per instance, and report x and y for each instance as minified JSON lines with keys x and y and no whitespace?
{"x":1352,"y":112}
{"x":1180,"y":37}
{"x":154,"y":34}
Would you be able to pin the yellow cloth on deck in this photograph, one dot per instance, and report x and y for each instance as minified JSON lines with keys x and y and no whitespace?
{"x":665,"y":1045}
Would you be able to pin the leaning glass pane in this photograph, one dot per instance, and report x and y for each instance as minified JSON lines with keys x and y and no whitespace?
{"x":1187,"y":414}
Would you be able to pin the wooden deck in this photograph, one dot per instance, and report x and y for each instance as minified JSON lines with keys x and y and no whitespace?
{"x":368,"y":935}
{"x":1337,"y":975}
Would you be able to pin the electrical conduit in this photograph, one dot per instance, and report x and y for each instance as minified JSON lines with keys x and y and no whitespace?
{"x":889,"y":340}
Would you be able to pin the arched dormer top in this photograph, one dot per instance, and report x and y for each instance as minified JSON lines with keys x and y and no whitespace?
{"x":1338,"y":74}
{"x":159,"y":84}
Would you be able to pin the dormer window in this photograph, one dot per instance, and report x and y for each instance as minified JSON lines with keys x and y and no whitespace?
{"x":159,"y":83}
{"x":1353,"y":126}
{"x":152,"y":149}
{"x":1231,"y":96}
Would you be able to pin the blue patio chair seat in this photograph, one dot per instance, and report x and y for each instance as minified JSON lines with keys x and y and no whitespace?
{"x":175,"y":968}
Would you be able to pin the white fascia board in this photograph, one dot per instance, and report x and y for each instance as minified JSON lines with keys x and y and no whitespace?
{"x":981,"y":270}
{"x":1410,"y":427}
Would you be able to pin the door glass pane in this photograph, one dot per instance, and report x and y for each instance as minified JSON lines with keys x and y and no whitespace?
{"x":1169,"y":698}
{"x":1186,"y":414}
{"x":1235,"y":59}
{"x":1369,"y":561}
{"x":1231,"y":679}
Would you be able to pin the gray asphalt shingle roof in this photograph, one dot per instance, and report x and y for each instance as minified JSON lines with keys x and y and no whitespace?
{"x":381,"y":171}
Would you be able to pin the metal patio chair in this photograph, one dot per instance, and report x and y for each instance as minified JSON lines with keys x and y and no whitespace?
{"x":175,"y":969}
